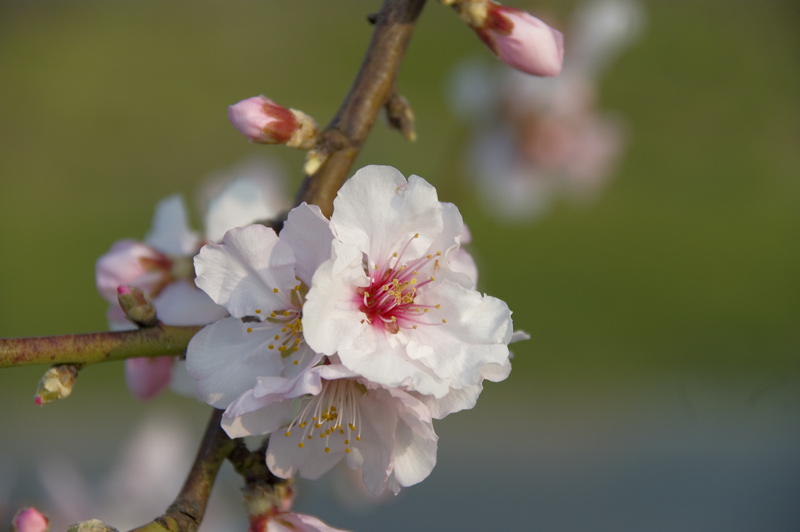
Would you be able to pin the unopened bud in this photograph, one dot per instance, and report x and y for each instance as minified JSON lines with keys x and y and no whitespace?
{"x":137,"y":305}
{"x":261,"y":120}
{"x":56,"y":383}
{"x":265,"y":502}
{"x":93,"y":525}
{"x":30,"y":520}
{"x":519,"y":39}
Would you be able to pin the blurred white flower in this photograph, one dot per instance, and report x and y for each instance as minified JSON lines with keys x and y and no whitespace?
{"x":162,"y":267}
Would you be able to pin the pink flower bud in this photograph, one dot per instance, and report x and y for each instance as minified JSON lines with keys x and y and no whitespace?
{"x":147,"y":377}
{"x":138,"y":307}
{"x":261,"y":120}
{"x":521,"y":40}
{"x":30,"y":520}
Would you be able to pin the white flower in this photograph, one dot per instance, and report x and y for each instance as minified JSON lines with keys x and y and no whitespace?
{"x":162,"y":267}
{"x":390,"y":303}
{"x":261,"y":280}
{"x":385,"y":432}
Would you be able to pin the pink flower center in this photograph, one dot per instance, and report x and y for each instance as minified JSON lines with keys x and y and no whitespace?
{"x":389,"y":300}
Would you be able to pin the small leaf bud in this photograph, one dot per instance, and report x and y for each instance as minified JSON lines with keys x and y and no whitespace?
{"x":93,"y":525}
{"x":138,"y":307}
{"x":56,"y":383}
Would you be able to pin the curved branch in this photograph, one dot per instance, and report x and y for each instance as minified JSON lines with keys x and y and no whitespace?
{"x":186,"y":513}
{"x":374,"y":84}
{"x":95,"y":347}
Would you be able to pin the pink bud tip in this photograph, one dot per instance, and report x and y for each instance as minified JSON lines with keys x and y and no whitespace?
{"x":522,"y":41}
{"x":123,"y":290}
{"x":39,"y":401}
{"x":262,"y":120}
{"x":30,"y":520}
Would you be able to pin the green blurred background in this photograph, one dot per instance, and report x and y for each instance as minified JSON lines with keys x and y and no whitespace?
{"x":666,"y":311}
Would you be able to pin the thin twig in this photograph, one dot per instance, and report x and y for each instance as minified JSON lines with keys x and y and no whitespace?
{"x":95,"y":347}
{"x":186,"y":513}
{"x":373,"y":86}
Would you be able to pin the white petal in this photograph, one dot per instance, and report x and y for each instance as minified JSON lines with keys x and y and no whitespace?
{"x":242,"y":273}
{"x":379,"y":357}
{"x":477,"y":331}
{"x":309,"y":234}
{"x":285,"y":458}
{"x":264,"y":420}
{"x":255,"y":196}
{"x":300,"y":523}
{"x":226,"y":361}
{"x":377,"y":445}
{"x":182,"y":303}
{"x":378,"y":212}
{"x":331,"y":315}
{"x":170,"y":231}
{"x":415,"y":440}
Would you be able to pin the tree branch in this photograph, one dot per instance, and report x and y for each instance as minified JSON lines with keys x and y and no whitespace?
{"x":186,"y":513}
{"x":374,"y":84}
{"x":95,"y":347}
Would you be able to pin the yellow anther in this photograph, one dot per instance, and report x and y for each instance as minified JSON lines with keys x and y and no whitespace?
{"x":309,"y":436}
{"x":275,"y":290}
{"x":347,"y":442}
{"x":249,"y":329}
{"x":282,"y":348}
{"x":327,"y":449}
{"x":438,"y":306}
{"x":297,"y":287}
{"x":426,"y":310}
{"x":438,"y":253}
{"x":288,"y":433}
{"x":444,"y":320}
{"x":296,"y":362}
{"x":277,"y":336}
{"x":286,"y":313}
{"x":283,"y":330}
{"x":416,"y":236}
{"x":352,"y":427}
{"x":433,"y":278}
{"x":314,"y":418}
{"x":394,"y":254}
{"x":300,"y":445}
{"x":414,"y":327}
{"x":376,"y":266}
{"x":322,"y":434}
{"x":301,"y":425}
{"x":358,"y":438}
{"x":413,"y":280}
{"x":258,"y":311}
{"x":271,"y":346}
{"x":271,"y":314}
{"x":317,"y":425}
{"x":430,"y":256}
{"x":347,"y":451}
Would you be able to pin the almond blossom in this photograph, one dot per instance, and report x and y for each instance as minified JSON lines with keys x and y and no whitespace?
{"x":391,"y":302}
{"x":162,"y":267}
{"x":385,"y":432}
{"x":261,"y":280}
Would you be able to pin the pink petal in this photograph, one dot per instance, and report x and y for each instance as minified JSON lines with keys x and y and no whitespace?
{"x":147,"y":377}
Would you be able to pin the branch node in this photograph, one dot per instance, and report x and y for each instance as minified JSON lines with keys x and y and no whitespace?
{"x":401,"y":116}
